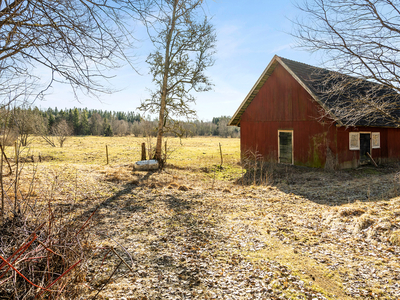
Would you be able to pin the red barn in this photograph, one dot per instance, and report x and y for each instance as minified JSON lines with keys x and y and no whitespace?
{"x":282,"y":119}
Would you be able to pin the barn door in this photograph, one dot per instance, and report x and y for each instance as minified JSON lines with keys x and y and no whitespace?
{"x":365,"y":146}
{"x":285,"y":141}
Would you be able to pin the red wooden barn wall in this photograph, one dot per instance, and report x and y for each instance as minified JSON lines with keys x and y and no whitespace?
{"x":283,"y":104}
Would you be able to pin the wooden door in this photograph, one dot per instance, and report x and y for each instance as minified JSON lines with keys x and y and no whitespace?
{"x":285,"y":141}
{"x":365,"y":147}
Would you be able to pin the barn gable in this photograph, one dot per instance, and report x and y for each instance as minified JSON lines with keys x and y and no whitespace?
{"x":297,"y":70}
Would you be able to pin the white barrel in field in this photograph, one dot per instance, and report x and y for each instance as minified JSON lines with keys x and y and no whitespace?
{"x":150,"y":164}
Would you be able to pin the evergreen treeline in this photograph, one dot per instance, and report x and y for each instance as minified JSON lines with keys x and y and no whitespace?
{"x":77,"y":121}
{"x":93,"y":121}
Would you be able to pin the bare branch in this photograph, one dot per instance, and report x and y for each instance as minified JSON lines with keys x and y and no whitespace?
{"x":358,"y":38}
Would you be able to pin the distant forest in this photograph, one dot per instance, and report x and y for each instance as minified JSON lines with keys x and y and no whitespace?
{"x":77,"y":121}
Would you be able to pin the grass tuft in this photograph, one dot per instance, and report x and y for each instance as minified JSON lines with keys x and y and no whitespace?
{"x":183,"y":188}
{"x":395,"y":238}
{"x":364,"y":222}
{"x":351,"y":211}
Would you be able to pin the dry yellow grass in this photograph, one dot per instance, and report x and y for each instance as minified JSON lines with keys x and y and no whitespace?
{"x":293,"y":221}
{"x":395,"y":238}
{"x":189,"y":152}
{"x":191,"y":157}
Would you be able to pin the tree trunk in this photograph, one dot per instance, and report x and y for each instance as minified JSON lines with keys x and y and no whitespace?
{"x":164,"y":88}
{"x":160,"y":131}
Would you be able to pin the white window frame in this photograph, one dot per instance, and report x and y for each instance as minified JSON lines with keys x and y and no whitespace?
{"x":377,"y":138}
{"x":279,"y":148}
{"x":357,"y":138}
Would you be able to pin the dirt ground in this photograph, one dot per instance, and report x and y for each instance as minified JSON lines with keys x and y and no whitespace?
{"x":304,"y":234}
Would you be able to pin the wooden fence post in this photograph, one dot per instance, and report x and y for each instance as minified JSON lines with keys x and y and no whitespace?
{"x":143,"y":151}
{"x":220,"y":151}
{"x":107,"y":153}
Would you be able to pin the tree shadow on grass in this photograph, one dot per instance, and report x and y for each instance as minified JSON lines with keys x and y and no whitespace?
{"x":176,"y":245}
{"x":331,"y":188}
{"x":165,"y":232}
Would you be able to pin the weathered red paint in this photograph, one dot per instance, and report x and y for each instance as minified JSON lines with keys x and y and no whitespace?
{"x":283,"y":104}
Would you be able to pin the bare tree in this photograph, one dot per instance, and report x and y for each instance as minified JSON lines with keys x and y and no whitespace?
{"x":119,"y":127}
{"x":27,"y":122}
{"x":62,"y":131}
{"x":184,"y":43}
{"x":359,"y":38}
{"x":135,"y":128}
{"x":77,"y":40}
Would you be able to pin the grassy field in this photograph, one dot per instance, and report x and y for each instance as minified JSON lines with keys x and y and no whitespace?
{"x":195,"y":231}
{"x":190,"y":152}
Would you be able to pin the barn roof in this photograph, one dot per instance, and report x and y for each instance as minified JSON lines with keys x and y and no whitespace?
{"x":320,"y":83}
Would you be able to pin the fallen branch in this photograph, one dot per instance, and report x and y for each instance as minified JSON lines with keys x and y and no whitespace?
{"x":126,"y":264}
{"x":126,"y":251}
{"x":108,"y":280}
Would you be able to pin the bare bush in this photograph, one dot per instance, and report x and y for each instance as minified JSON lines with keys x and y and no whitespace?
{"x":62,"y":131}
{"x":8,"y":137}
{"x":41,"y":259}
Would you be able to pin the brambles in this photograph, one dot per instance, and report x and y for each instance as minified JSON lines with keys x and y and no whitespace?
{"x":49,"y":257}
{"x":44,"y":243}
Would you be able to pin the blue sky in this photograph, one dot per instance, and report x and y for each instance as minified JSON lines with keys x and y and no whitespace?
{"x":249,"y":34}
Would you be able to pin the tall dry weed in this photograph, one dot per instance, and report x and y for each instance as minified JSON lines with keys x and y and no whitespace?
{"x":256,"y":170}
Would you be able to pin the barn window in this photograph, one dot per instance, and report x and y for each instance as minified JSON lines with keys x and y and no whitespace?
{"x":354,"y":140}
{"x":376,"y":140}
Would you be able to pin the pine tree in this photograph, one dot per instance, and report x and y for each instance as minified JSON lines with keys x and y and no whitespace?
{"x":107,"y":128}
{"x":51,"y":120}
{"x":84,"y":124}
{"x":75,"y":121}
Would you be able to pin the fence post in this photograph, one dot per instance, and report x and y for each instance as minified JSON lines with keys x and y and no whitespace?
{"x":143,"y":151}
{"x":107,"y":153}
{"x":220,"y":151}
